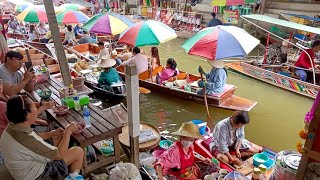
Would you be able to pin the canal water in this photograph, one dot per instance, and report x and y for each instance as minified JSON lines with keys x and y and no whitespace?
{"x":275,"y":120}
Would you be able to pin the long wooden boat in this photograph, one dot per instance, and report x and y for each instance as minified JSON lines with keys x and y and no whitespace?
{"x":273,"y":78}
{"x":226,"y":100}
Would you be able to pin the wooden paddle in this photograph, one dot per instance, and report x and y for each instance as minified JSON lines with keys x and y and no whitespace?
{"x":205,"y":100}
{"x":143,"y":90}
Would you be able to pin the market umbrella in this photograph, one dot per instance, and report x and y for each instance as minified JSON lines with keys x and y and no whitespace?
{"x":107,"y":23}
{"x":71,"y":17}
{"x":33,"y":15}
{"x":21,"y":7}
{"x":227,"y":2}
{"x":75,"y":7}
{"x":221,"y":42}
{"x":41,"y":7}
{"x":147,"y":33}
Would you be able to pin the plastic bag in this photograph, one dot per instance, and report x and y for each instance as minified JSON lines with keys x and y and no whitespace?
{"x":74,"y":176}
{"x":125,"y":171}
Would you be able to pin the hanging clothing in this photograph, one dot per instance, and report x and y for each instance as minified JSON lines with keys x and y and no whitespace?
{"x":3,"y":42}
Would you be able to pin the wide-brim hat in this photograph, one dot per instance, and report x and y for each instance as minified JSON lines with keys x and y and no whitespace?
{"x":216,"y":63}
{"x":106,"y":62}
{"x":189,"y":129}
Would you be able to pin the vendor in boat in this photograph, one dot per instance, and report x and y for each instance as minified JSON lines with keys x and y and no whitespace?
{"x":169,"y":72}
{"x":42,"y":29}
{"x":87,"y":38}
{"x":125,"y":55}
{"x":77,"y":30}
{"x":139,"y":59}
{"x":228,"y":143}
{"x":178,"y":162}
{"x":104,"y":51}
{"x":13,"y":24}
{"x":33,"y":33}
{"x":70,"y":37}
{"x":215,"y":80}
{"x":304,"y":61}
{"x":109,"y":75}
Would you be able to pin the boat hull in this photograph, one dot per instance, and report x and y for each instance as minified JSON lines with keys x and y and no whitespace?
{"x":284,"y":82}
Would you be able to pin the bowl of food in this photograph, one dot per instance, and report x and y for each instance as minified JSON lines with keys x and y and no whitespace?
{"x":60,"y":110}
{"x":45,"y":94}
{"x":81,"y":128}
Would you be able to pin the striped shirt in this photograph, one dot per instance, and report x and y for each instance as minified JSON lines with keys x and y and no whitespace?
{"x":26,"y":154}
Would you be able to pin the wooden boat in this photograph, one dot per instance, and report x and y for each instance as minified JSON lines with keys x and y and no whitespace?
{"x":259,"y":73}
{"x":226,"y":100}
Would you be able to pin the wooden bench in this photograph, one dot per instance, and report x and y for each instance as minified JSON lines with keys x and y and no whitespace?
{"x":106,"y":124}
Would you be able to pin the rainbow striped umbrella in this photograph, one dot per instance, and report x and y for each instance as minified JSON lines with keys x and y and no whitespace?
{"x":21,"y":7}
{"x":147,"y":33}
{"x":75,"y":7}
{"x":107,"y":23}
{"x":221,"y":42}
{"x":33,"y":15}
{"x":71,"y":17}
{"x":231,"y":2}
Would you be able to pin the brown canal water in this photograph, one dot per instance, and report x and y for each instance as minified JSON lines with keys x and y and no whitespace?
{"x":275,"y":120}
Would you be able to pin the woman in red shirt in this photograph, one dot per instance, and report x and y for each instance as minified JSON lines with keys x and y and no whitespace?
{"x":304,"y":60}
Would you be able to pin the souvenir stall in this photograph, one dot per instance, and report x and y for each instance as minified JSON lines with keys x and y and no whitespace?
{"x":309,"y":168}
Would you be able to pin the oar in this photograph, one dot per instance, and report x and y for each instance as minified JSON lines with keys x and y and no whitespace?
{"x":205,"y":100}
{"x":143,"y":90}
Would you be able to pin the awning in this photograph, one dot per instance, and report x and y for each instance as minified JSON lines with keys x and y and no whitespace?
{"x":280,"y":22}
{"x":302,"y":16}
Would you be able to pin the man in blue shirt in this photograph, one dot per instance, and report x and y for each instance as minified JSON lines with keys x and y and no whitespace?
{"x":214,"y":22}
{"x":216,"y":79}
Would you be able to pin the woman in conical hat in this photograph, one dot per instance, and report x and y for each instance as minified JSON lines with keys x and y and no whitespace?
{"x":178,"y":161}
{"x":109,"y":75}
{"x":215,"y":80}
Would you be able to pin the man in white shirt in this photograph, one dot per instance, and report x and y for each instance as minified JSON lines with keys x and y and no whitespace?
{"x":103,"y":50}
{"x":141,"y":61}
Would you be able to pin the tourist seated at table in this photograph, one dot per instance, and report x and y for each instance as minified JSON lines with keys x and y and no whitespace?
{"x":215,"y":80}
{"x":168,"y":72}
{"x":214,"y":21}
{"x":77,"y":30}
{"x":154,"y":59}
{"x":124,"y":55}
{"x":42,"y":30}
{"x":69,"y":37}
{"x":104,"y":51}
{"x":304,"y":61}
{"x":87,"y":38}
{"x":47,"y":38}
{"x":32,"y":34}
{"x":14,"y":80}
{"x":109,"y":75}
{"x":228,"y":143}
{"x":178,"y":162}
{"x":140,"y":60}
{"x":27,"y":155}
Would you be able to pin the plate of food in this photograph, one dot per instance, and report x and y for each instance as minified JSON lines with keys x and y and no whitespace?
{"x":45,"y":94}
{"x":60,"y":110}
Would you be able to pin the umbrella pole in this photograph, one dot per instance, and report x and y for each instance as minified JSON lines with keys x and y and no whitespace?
{"x":209,"y":119}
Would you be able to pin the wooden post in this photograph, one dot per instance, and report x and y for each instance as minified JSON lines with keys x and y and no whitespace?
{"x":61,"y":56}
{"x":132,"y":84}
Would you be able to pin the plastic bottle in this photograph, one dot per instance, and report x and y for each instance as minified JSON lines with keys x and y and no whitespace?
{"x":76,"y":101}
{"x":86,"y":116}
{"x":71,"y":90}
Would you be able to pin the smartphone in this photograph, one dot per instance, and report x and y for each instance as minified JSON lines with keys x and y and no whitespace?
{"x":28,"y":64}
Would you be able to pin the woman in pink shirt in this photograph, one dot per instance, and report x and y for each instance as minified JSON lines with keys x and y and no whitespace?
{"x":168,"y":72}
{"x":178,"y":162}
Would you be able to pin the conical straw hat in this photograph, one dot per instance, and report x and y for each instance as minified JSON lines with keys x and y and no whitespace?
{"x":189,"y":129}
{"x":106,"y":62}
{"x":216,"y":63}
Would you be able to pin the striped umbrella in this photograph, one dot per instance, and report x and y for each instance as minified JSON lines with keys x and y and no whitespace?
{"x":33,"y":15}
{"x":231,"y":2}
{"x":75,"y":7}
{"x":107,"y":23}
{"x":147,"y":33}
{"x":71,"y":17}
{"x":221,"y":42}
{"x":21,"y":7}
{"x":41,"y":7}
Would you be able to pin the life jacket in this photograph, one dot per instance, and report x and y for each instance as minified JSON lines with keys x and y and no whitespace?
{"x":186,"y":163}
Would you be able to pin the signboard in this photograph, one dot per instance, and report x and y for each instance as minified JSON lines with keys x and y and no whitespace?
{"x":230,"y":17}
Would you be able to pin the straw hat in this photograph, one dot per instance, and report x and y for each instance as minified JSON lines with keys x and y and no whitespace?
{"x":106,"y":62}
{"x":189,"y":129}
{"x":216,"y":63}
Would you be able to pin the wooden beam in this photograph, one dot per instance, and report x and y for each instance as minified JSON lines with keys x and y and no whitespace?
{"x":62,"y":59}
{"x":132,"y":84}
